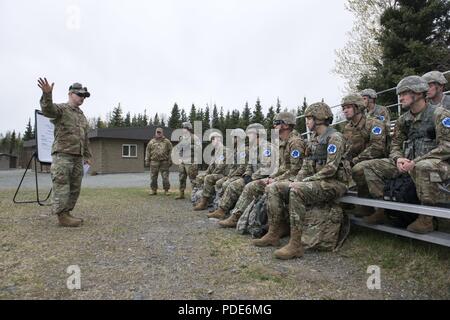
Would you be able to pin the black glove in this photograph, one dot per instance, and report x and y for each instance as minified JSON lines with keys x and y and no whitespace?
{"x":247,"y":179}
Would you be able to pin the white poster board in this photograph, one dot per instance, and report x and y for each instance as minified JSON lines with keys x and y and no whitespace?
{"x":44,"y":137}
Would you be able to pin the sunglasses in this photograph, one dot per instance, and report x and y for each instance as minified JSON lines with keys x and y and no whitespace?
{"x":81,"y":95}
{"x":278,"y":122}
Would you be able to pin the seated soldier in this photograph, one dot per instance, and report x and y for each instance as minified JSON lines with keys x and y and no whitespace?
{"x":235,"y":176}
{"x":291,"y":150}
{"x":366,"y":140}
{"x":420,"y":148}
{"x":323,"y":178}
{"x":215,"y":172}
{"x":435,"y":94}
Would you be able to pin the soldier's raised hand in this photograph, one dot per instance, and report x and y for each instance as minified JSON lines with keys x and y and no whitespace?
{"x":45,"y":86}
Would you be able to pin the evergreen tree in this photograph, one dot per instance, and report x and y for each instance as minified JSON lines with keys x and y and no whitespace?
{"x":222,"y":121}
{"x":235,"y":119}
{"x":163,"y":121}
{"x":144,"y":119}
{"x":215,"y":118}
{"x":116,"y":118}
{"x":184,"y":117}
{"x":100,"y":124}
{"x":268,"y":123}
{"x":134,"y":121}
{"x":13,"y":143}
{"x":258,"y":116}
{"x":193,"y":114}
{"x":175,"y":117}
{"x":127,"y":121}
{"x":156,"y":121}
{"x":301,"y":122}
{"x":246,"y":117}
{"x":28,"y":135}
{"x":206,"y":121}
{"x":414,"y":39}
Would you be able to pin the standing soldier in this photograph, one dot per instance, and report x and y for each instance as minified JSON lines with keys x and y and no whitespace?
{"x":323,"y":178}
{"x":158,"y":156}
{"x":291,"y":153}
{"x":366,"y":140}
{"x":189,"y":166}
{"x":435,"y":95}
{"x":69,"y":150}
{"x":374,"y":110}
{"x":216,"y":171}
{"x":421,"y":148}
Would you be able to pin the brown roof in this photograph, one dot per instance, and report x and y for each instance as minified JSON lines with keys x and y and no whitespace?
{"x":144,"y":134}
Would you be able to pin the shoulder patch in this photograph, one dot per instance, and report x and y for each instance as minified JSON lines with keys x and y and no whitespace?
{"x":242,"y":155}
{"x":446,"y":122}
{"x":296,"y":154}
{"x":377,"y":131}
{"x":267,"y":153}
{"x":332,"y":149}
{"x":381,"y":118}
{"x":221,"y":158}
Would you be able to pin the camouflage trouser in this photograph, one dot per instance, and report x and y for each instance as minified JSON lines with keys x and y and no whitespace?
{"x":155,"y":168}
{"x":187,"y":170}
{"x":360,"y":180}
{"x":67,"y":174}
{"x":251,"y":191}
{"x":277,"y":200}
{"x":310,"y":193}
{"x":429,"y":176}
{"x":209,"y":183}
{"x":233,"y":189}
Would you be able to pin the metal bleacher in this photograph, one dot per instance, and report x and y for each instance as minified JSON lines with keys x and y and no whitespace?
{"x":436,"y":237}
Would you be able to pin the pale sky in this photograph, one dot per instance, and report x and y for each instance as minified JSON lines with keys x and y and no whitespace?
{"x":151,"y":54}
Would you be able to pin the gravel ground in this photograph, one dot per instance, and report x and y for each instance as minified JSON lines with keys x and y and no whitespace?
{"x":134,"y":246}
{"x":10,"y":179}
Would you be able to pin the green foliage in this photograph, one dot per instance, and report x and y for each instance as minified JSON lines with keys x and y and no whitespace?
{"x":415,"y":39}
{"x":258,"y":116}
{"x":175,"y":118}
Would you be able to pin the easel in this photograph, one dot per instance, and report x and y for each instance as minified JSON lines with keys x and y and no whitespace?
{"x":38,"y":199}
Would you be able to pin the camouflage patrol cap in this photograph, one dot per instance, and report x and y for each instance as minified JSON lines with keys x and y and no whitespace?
{"x":238,"y":132}
{"x":215,"y":135}
{"x":435,"y":76}
{"x":78,"y":89}
{"x":187,"y":125}
{"x":287,"y":117}
{"x":412,"y":83}
{"x":354,"y":99}
{"x":319,"y":111}
{"x":369,"y":93}
{"x":255,"y":127}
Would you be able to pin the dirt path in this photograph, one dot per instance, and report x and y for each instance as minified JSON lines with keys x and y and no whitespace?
{"x":133,"y":246}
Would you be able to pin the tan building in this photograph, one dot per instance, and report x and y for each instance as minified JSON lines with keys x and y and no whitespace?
{"x":7,"y":161}
{"x":121,"y":150}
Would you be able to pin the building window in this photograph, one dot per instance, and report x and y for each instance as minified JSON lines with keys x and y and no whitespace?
{"x":129,"y":151}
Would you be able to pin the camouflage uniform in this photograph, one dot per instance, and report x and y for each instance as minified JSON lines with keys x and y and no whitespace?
{"x":423,"y":138}
{"x":323,"y":177}
{"x":439,"y":78}
{"x":188,"y":167}
{"x":70,"y":147}
{"x":158,"y":155}
{"x":366,"y":140}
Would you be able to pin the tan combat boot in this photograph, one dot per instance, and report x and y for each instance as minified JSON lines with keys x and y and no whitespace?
{"x":180,"y":196}
{"x":362,"y":211}
{"x":202,"y":205}
{"x":232,"y":221}
{"x":294,"y":249}
{"x":218,"y":214}
{"x":272,"y":238}
{"x":71,"y":216}
{"x":166,"y":193}
{"x":66,"y":221}
{"x":154,"y":193}
{"x":422,"y":225}
{"x":377,"y":218}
